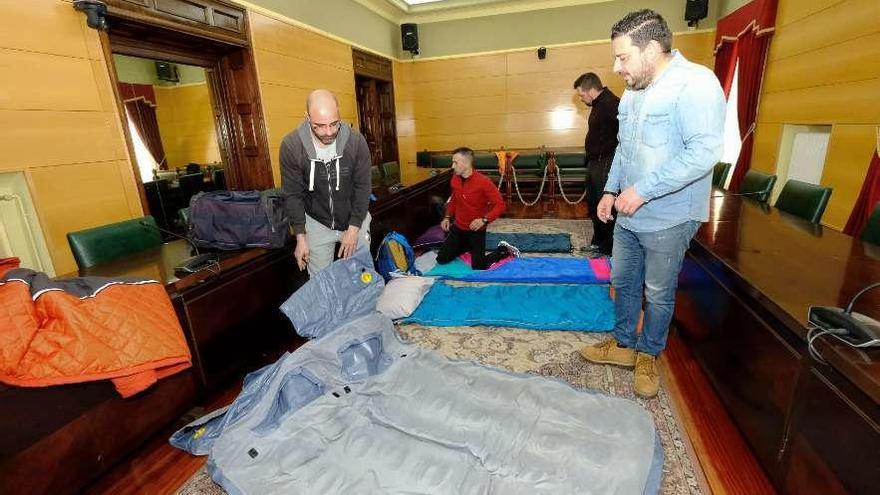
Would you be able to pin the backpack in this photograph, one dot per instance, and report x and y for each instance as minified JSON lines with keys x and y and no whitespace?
{"x":395,"y":255}
{"x":238,"y":219}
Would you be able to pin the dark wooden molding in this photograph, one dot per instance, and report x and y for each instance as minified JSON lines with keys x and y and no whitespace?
{"x":210,"y":19}
{"x":367,"y":64}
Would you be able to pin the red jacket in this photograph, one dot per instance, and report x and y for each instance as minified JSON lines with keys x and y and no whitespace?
{"x":472,"y":198}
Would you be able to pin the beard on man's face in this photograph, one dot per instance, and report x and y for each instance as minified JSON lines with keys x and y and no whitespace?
{"x":643,"y":78}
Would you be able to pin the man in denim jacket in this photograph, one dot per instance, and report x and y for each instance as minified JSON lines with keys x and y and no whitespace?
{"x":671,"y":128}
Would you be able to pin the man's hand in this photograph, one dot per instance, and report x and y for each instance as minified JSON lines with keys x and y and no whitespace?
{"x":445,"y":224}
{"x":629,"y":201}
{"x":603,"y":211}
{"x":349,"y":242}
{"x":477,"y":224}
{"x":301,"y":251}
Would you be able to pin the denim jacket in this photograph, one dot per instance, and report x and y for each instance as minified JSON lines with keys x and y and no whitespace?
{"x":670,"y":138}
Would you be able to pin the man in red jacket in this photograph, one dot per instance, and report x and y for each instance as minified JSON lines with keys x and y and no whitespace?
{"x":475,"y":202}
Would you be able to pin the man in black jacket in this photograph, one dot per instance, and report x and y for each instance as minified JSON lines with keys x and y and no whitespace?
{"x":325,"y":175}
{"x":600,"y":143}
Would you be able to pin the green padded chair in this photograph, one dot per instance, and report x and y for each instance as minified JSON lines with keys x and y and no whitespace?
{"x":109,"y":242}
{"x":804,"y":200}
{"x":375,"y":176}
{"x":757,"y":185}
{"x":391,"y":172}
{"x":719,"y":174}
{"x":871,"y":230}
{"x":183,"y":217}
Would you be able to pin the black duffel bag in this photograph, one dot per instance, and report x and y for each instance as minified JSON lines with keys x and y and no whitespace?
{"x":238,"y":219}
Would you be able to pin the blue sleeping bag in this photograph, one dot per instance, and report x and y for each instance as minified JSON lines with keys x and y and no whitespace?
{"x":532,"y":243}
{"x":536,"y":307}
{"x":535,"y":270}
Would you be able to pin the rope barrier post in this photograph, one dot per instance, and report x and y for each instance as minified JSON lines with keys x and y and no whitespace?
{"x":550,"y":205}
{"x":507,"y":172}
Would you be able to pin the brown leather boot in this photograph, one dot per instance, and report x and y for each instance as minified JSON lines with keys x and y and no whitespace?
{"x":608,"y":353}
{"x":647,"y":380}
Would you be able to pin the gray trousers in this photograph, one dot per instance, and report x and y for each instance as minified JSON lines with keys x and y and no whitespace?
{"x":322,"y":242}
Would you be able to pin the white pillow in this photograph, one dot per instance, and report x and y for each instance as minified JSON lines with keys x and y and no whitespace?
{"x":403,"y":295}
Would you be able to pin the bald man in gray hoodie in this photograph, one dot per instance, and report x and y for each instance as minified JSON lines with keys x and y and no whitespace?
{"x":325,"y":176}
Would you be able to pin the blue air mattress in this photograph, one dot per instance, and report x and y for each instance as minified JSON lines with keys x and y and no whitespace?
{"x":526,"y":269}
{"x":587,"y":308}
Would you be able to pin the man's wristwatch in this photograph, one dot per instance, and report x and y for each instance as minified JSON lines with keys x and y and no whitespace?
{"x":609,"y":192}
{"x":485,"y":221}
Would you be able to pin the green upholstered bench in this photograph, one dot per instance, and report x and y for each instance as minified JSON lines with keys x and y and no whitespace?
{"x":487,"y":164}
{"x":572,"y":167}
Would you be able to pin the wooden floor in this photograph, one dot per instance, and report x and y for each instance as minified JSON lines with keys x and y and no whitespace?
{"x":728,"y":464}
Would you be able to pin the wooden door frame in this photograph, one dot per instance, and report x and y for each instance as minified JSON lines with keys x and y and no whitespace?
{"x":371,"y":66}
{"x":247,"y":165}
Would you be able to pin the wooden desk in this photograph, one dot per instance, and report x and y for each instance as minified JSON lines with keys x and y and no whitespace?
{"x":745,"y":289}
{"x":230,"y":315}
{"x":410,"y":210}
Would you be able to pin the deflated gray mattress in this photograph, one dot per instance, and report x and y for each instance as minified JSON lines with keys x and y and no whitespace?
{"x":358,"y":411}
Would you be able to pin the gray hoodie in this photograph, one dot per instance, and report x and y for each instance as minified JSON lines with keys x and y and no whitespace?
{"x":336,"y":193}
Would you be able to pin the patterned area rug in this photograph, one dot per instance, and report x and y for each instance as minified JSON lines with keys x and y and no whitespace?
{"x":549,"y":354}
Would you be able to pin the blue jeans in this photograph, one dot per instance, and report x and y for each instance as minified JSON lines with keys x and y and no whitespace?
{"x":647,"y":262}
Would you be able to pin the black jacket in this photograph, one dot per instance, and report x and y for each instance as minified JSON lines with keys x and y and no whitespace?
{"x":602,"y":126}
{"x":336,"y":193}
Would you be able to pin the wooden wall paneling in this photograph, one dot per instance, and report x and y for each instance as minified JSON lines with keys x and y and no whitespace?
{"x":31,"y":82}
{"x":289,"y":71}
{"x":846,"y":165}
{"x":53,"y":16}
{"x":765,"y":150}
{"x":48,"y":138}
{"x":460,"y":88}
{"x":458,"y":108}
{"x":459,"y":68}
{"x":98,"y":192}
{"x":284,"y":39}
{"x":186,"y":122}
{"x":850,"y":61}
{"x":789,"y":12}
{"x":842,"y":21}
{"x":530,"y":103}
{"x":845,"y":103}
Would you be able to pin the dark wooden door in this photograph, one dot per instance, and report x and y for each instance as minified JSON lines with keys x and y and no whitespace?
{"x":387,"y":127}
{"x":368,"y":116}
{"x":236,"y":93}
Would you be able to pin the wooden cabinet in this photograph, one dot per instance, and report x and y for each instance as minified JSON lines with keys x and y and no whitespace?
{"x":235,"y":318}
{"x":741,"y":307}
{"x":834,"y":444}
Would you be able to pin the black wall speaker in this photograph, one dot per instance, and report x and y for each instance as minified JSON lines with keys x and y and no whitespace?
{"x":695,"y":10}
{"x":409,"y":38}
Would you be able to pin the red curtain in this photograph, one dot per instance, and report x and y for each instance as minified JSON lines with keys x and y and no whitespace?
{"x":868,"y":197}
{"x":744,"y":36}
{"x":725,"y":65}
{"x":143,"y":115}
